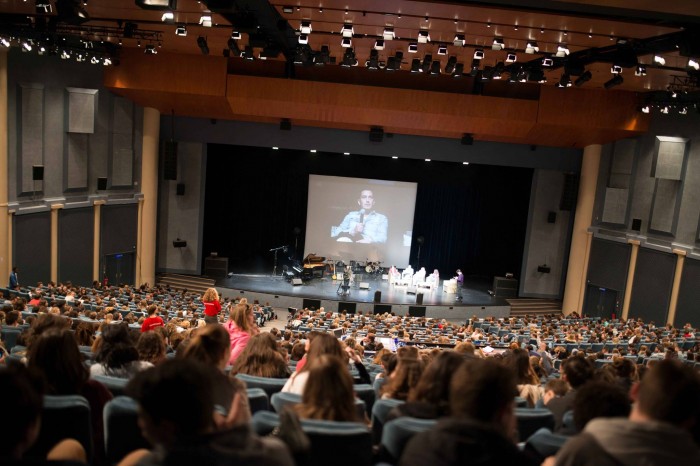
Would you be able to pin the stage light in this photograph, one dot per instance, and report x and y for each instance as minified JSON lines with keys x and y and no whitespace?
{"x":4,"y":41}
{"x":646,"y":109}
{"x":379,"y":44}
{"x":413,"y":47}
{"x":641,"y":70}
{"x":615,"y":81}
{"x":511,"y":58}
{"x":389,"y":34}
{"x":683,"y":111}
{"x":564,"y":81}
{"x":233,"y":47}
{"x":248,"y":53}
{"x":427,"y":160}
{"x":275,"y":148}
{"x":346,"y":42}
{"x":181,"y":30}
{"x":347,"y":30}
{"x":394,"y":157}
{"x":459,"y":70}
{"x":442,"y":50}
{"x":616,"y":69}
{"x":531,"y":47}
{"x":584,"y":78}
{"x":373,"y":62}
{"x":205,"y":21}
{"x":65,"y":54}
{"x":498,"y":44}
{"x":346,"y":153}
{"x":26,"y":46}
{"x":423,"y":37}
{"x":459,"y":40}
{"x":94,"y":60}
{"x":43,"y":7}
{"x":150,"y":50}
{"x":435,"y":67}
{"x":450,"y":66}
{"x":664,"y":110}
{"x":313,"y":151}
{"x":562,"y":51}
{"x":465,"y":163}
{"x":168,"y":17}
{"x":107,"y":61}
{"x":694,"y":64}
{"x":349,"y":58}
{"x":202,"y":44}
{"x":303,"y":39}
{"x":305,"y":27}
{"x":547,"y":62}
{"x":659,"y":60}
{"x":478,"y":54}
{"x":236,"y":35}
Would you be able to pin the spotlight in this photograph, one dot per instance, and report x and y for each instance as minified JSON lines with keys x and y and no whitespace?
{"x":303,"y":39}
{"x":531,"y":47}
{"x":423,"y":37}
{"x":236,"y":35}
{"x":641,"y":70}
{"x":65,"y":54}
{"x":584,"y":78}
{"x":107,"y":61}
{"x":389,"y":34}
{"x":205,"y":21}
{"x":427,"y":60}
{"x":4,"y":41}
{"x":415,"y":66}
{"x":659,"y":60}
{"x":478,"y":54}
{"x":694,"y":64}
{"x":379,"y":44}
{"x":349,"y":58}
{"x":347,"y":31}
{"x":562,"y":51}
{"x":373,"y":62}
{"x":547,"y":62}
{"x":683,"y":111}
{"x":564,"y":81}
{"x":305,"y":27}
{"x":442,"y":50}
{"x":391,"y":64}
{"x":80,"y":57}
{"x":459,"y":40}
{"x":26,"y":46}
{"x":233,"y":47}
{"x":511,"y":58}
{"x":664,"y":110}
{"x":616,"y":69}
{"x":202,"y":44}
{"x":168,"y":17}
{"x":346,"y":42}
{"x":646,"y":109}
{"x":43,"y":7}
{"x":413,"y":47}
{"x":248,"y":53}
{"x":451,"y":62}
{"x":435,"y":67}
{"x":498,"y":44}
{"x":615,"y":81}
{"x":151,"y":50}
{"x":459,"y":70}
{"x":181,"y":30}
{"x":94,"y":60}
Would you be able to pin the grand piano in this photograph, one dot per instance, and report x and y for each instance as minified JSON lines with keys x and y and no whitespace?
{"x":313,"y":267}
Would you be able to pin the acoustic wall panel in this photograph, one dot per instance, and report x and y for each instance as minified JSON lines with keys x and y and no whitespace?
{"x":82,"y":105}
{"x":653,"y":279}
{"x":664,"y":206}
{"x":31,"y":135}
{"x":75,"y":240}
{"x":32,"y":248}
{"x":615,"y":206}
{"x":689,"y":295}
{"x":119,"y":228}
{"x":669,"y":158}
{"x":77,"y":157}
{"x":608,"y":264}
{"x":122,"y":143}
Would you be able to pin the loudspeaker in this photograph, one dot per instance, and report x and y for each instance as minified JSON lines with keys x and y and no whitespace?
{"x":552,"y":217}
{"x":419,"y":298}
{"x":636,"y":224}
{"x":416,"y":311}
{"x":467,"y":139}
{"x":377,"y":296}
{"x":285,"y":125}
{"x":570,"y":192}
{"x":311,"y":304}
{"x":350,"y":308}
{"x":364,"y":286}
{"x":170,"y":160}
{"x":37,"y":173}
{"x":296,"y":281}
{"x":180,"y":189}
{"x":178,"y":243}
{"x":102,"y":183}
{"x":376,"y":134}
{"x":382,"y":308}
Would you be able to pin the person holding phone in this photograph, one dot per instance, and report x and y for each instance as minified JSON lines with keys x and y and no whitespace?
{"x":363,"y":226}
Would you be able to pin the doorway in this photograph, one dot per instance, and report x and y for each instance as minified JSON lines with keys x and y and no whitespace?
{"x":600,"y":302}
{"x":120,"y":268}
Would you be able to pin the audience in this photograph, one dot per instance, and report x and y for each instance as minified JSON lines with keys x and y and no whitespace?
{"x":117,"y":355}
{"x":212,"y":306}
{"x":240,"y":326}
{"x":262,"y":357}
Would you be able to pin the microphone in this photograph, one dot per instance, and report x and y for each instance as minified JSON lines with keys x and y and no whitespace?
{"x":362,"y":215}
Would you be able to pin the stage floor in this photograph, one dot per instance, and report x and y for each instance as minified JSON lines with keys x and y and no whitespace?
{"x":474,"y":293}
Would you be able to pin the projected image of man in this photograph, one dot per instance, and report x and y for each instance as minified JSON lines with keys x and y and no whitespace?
{"x":363,"y":226}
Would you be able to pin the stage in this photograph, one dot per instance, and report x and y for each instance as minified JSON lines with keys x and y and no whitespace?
{"x":318,"y":292}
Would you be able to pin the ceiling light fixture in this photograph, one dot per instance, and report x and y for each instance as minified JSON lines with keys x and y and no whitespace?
{"x":389,"y":34}
{"x":694,"y":64}
{"x":379,"y":44}
{"x":235,"y":35}
{"x":659,"y":60}
{"x":498,"y":44}
{"x":562,"y":50}
{"x":181,"y":30}
{"x":303,"y":39}
{"x":616,"y":69}
{"x":150,"y":50}
{"x":511,"y":58}
{"x":531,"y":47}
{"x":205,"y":21}
{"x":423,"y":37}
{"x":413,"y":47}
{"x":442,"y":50}
{"x":459,"y":40}
{"x":478,"y":54}
{"x":347,"y":30}
{"x":305,"y":27}
{"x":168,"y":17}
{"x":346,"y":42}
{"x":641,"y":70}
{"x":547,"y":62}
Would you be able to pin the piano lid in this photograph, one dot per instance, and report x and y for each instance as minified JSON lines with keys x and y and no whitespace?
{"x":313,"y":259}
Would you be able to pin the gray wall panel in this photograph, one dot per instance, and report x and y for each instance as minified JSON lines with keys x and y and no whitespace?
{"x":77,"y":152}
{"x":82,"y":105}
{"x":75,"y":240}
{"x":32,"y":247}
{"x":688,"y":309}
{"x":122,"y":146}
{"x":31,"y":134}
{"x":608,"y":264}
{"x":663,"y":209}
{"x":118,"y":229}
{"x":653,"y":279}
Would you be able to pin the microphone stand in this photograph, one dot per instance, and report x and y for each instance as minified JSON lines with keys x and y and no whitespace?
{"x":276,"y":250}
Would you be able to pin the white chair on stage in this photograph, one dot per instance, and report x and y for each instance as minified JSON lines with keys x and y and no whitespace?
{"x":406,"y":276}
{"x":449,"y":286}
{"x":433,"y":280}
{"x":394,"y":275}
{"x":419,"y":277}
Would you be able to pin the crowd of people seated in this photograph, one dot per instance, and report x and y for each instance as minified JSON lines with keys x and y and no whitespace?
{"x":604,"y":389}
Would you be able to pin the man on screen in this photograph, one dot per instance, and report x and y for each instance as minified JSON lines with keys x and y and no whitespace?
{"x":363,"y":226}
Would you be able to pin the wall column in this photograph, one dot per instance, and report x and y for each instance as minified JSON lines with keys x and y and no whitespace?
{"x":54,"y":241}
{"x":580,"y":240}
{"x":97,"y":232}
{"x":146,"y":240}
{"x":680,"y":260}
{"x":630,"y":279}
{"x":5,"y":233}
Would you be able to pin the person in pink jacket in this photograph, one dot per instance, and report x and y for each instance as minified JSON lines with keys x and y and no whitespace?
{"x":240,"y":326}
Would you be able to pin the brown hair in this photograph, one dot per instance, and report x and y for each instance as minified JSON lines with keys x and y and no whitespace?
{"x":328,"y":393}
{"x":209,"y":345}
{"x":261,"y":358}
{"x":404,"y":378}
{"x":239,"y":316}
{"x":56,"y":356}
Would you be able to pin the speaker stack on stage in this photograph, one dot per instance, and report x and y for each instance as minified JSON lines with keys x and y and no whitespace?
{"x":364,"y":286}
{"x":296,"y":281}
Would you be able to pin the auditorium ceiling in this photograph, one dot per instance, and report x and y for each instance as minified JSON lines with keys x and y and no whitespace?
{"x":501,"y":48}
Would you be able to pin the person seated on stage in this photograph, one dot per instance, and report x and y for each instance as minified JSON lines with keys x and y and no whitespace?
{"x":433,"y":279}
{"x":419,"y":277}
{"x":407,"y":275}
{"x":394,"y":275}
{"x":363,"y":226}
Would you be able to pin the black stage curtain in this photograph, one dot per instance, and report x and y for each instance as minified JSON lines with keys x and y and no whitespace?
{"x":470,"y":217}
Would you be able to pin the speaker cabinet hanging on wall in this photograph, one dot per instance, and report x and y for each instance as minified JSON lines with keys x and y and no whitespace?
{"x":37,"y":173}
{"x":170,"y":160}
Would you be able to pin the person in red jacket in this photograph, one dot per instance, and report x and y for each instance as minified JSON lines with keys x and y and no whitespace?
{"x":212,"y":306}
{"x":152,"y":321}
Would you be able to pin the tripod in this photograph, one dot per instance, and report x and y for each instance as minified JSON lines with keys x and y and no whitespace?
{"x":276,"y":250}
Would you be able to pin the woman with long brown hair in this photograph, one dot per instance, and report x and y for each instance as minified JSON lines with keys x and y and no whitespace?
{"x":240,"y":326}
{"x":528,"y":383}
{"x":209,"y":345}
{"x":328,"y":394}
{"x":261,"y":358}
{"x":404,"y":378}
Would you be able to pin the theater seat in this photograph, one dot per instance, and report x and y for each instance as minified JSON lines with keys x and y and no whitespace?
{"x":116,"y":385}
{"x":122,"y":433}
{"x":282,"y":399}
{"x":336,"y":443}
{"x":531,"y":420}
{"x":258,"y":400}
{"x":63,"y":416}
{"x":398,"y":432}
{"x":380,"y":411}
{"x":544,"y":443}
{"x":269,"y":385}
{"x":9,"y":336}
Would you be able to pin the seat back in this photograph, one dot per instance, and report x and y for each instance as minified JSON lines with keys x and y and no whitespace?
{"x":544,"y":443}
{"x":116,"y":385}
{"x":258,"y":400}
{"x":122,"y":433}
{"x":380,"y":411}
{"x":282,"y":399}
{"x":531,"y":420}
{"x":9,"y":336}
{"x":398,"y":432}
{"x":365,"y":392}
{"x":268,"y":384}
{"x":63,"y":416}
